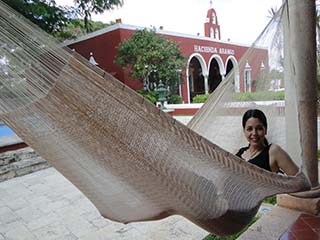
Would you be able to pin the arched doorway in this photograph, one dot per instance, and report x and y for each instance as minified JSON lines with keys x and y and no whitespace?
{"x":196,"y":78}
{"x":230,"y":66}
{"x":214,"y":75}
{"x":233,"y":68}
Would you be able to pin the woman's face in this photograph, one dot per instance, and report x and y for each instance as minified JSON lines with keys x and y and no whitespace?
{"x":255,"y":132}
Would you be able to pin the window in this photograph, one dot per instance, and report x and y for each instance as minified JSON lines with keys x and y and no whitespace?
{"x":211,"y":33}
{"x":213,"y":18}
{"x":217,"y":33}
{"x":247,"y":80}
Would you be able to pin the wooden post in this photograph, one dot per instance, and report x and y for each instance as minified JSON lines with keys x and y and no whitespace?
{"x":301,"y":83}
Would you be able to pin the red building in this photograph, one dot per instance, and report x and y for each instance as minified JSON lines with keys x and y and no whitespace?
{"x":209,"y":58}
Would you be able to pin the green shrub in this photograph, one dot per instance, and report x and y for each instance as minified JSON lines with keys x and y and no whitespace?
{"x":175,"y":99}
{"x":272,"y":200}
{"x":259,"y":96}
{"x":151,"y":96}
{"x":201,"y":98}
{"x":246,"y":96}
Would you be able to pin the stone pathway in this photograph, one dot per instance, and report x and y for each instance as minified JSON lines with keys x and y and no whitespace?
{"x":45,"y":206}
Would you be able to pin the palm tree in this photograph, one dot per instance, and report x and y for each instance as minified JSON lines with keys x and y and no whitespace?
{"x":272,"y":12}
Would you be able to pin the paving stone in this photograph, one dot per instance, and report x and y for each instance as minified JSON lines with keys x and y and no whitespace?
{"x":39,"y":188}
{"x":82,"y":207}
{"x":69,"y":237}
{"x":78,"y":226}
{"x":5,"y":227}
{"x":17,"y":204}
{"x":150,"y":227}
{"x":100,"y":222}
{"x":29,"y":213}
{"x":2,"y":203}
{"x":32,"y":181}
{"x":165,"y":230}
{"x":73,"y":196}
{"x":94,"y":214}
{"x":38,"y":176}
{"x":44,"y":174}
{"x":37,"y":199}
{"x":42,"y":221}
{"x":7,"y":215}
{"x":53,"y":231}
{"x":16,"y":190}
{"x":9,"y":184}
{"x":115,"y":231}
{"x":56,"y":178}
{"x":127,"y":233}
{"x":187,"y":229}
{"x":4,"y":195}
{"x":19,"y":232}
{"x":54,"y":205}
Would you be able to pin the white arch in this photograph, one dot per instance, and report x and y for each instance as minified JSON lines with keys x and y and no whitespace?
{"x":234,"y":62}
{"x":236,"y":72}
{"x":203,"y":68}
{"x":201,"y":61}
{"x":220,"y":63}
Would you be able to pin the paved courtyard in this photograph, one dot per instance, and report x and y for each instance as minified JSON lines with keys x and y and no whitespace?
{"x":45,"y":206}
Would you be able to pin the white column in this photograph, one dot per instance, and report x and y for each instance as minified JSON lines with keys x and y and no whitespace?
{"x":206,"y":84}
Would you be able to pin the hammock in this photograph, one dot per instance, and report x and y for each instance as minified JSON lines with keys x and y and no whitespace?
{"x":134,"y":162}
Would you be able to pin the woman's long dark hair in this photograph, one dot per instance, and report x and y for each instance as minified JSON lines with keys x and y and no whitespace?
{"x":255,"y":113}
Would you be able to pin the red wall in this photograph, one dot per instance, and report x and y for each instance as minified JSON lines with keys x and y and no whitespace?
{"x":104,"y":49}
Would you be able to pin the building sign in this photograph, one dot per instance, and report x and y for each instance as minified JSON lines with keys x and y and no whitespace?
{"x":207,"y":49}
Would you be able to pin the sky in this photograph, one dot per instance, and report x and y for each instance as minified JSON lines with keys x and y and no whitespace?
{"x":241,"y":21}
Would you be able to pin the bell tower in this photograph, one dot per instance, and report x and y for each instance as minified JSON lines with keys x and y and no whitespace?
{"x":211,"y":25}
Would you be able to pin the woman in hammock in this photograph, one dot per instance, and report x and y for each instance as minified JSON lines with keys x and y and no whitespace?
{"x":259,"y":152}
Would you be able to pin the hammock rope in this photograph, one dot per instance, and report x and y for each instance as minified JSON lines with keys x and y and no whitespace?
{"x":134,"y":162}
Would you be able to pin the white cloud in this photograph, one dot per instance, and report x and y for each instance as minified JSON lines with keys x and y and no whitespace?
{"x":241,"y":21}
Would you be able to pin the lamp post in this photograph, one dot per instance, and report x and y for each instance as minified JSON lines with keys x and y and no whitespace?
{"x":162,"y":94}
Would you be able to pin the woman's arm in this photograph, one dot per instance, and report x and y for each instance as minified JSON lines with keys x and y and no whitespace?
{"x":280,"y":160}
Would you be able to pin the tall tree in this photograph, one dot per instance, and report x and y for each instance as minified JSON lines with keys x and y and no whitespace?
{"x":44,"y":13}
{"x":75,"y":28}
{"x":152,"y":58}
{"x":86,"y":7}
{"x":54,"y":19}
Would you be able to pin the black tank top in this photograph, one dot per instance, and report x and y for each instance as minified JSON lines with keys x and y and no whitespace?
{"x":261,"y":160}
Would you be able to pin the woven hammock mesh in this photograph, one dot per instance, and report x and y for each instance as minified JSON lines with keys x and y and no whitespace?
{"x":134,"y":162}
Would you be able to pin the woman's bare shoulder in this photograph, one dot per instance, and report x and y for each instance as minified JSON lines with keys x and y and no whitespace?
{"x":281,"y":160}
{"x":275,"y":148}
{"x":275,"y":151}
